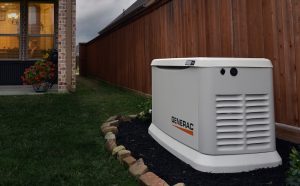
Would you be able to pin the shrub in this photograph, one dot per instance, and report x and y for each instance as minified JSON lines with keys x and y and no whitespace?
{"x":146,"y":110}
{"x":40,"y":72}
{"x":293,"y":177}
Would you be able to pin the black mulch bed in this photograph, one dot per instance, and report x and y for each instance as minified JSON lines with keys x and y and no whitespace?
{"x":134,"y":136}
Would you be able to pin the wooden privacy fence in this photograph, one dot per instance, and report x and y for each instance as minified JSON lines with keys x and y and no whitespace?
{"x":214,"y":28}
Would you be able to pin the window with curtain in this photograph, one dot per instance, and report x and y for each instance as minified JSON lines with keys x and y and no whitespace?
{"x":40,"y":29}
{"x":9,"y":30}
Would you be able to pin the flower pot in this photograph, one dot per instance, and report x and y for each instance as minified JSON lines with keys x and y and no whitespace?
{"x":41,"y":87}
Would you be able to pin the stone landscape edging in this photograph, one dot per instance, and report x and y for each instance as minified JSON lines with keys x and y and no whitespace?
{"x":136,"y":168}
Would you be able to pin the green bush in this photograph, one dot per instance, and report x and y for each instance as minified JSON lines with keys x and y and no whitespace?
{"x":293,"y":174}
{"x":146,"y":112}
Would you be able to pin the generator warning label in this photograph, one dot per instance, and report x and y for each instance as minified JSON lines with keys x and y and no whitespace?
{"x":183,"y":125}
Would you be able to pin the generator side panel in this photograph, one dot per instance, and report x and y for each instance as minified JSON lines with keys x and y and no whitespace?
{"x":175,"y":103}
{"x":236,"y":111}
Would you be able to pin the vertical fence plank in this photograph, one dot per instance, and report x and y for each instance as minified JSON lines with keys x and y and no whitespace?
{"x":240,"y":28}
{"x":271,"y":46}
{"x":201,"y":20}
{"x":226,"y":28}
{"x":255,"y":28}
{"x":213,"y":30}
{"x":296,"y":24}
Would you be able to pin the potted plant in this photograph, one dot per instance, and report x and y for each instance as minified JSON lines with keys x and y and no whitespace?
{"x":39,"y":75}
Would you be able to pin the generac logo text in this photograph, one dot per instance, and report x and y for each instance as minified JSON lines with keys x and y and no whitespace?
{"x":183,"y":125}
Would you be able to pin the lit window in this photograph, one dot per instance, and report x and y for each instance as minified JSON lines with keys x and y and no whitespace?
{"x":40,"y":29}
{"x":9,"y":30}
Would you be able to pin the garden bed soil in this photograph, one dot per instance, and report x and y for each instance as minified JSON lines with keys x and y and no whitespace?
{"x":134,"y":136}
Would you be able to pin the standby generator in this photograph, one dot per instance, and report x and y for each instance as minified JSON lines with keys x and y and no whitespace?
{"x":216,"y":114}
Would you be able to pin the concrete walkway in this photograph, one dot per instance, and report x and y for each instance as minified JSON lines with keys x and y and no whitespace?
{"x":17,"y":90}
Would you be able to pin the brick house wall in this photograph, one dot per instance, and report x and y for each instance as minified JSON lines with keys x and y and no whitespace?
{"x":66,"y":45}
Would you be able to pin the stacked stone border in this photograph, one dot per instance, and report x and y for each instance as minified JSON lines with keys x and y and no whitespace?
{"x":136,"y":168}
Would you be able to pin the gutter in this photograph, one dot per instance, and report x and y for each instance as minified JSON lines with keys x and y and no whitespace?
{"x":128,"y":15}
{"x":143,"y":9}
{"x":148,"y":3}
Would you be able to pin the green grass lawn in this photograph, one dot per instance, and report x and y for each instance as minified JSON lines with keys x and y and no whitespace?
{"x":54,"y":139}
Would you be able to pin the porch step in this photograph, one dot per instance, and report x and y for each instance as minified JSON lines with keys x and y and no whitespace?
{"x":16,"y":90}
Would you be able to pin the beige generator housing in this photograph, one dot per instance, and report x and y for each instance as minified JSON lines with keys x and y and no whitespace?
{"x":216,"y":114}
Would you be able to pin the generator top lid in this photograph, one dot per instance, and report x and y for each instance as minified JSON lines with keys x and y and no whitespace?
{"x":214,"y":62}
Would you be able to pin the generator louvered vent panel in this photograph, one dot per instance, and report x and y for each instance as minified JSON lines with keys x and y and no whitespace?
{"x":257,"y":121}
{"x":242,"y":122}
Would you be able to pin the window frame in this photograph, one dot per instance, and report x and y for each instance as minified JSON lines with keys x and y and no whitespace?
{"x":28,"y":35}
{"x":23,"y":30}
{"x":18,"y":35}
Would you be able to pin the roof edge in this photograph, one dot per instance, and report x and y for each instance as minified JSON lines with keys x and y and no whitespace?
{"x":128,"y":13}
{"x":134,"y":12}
